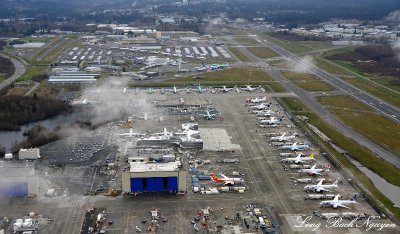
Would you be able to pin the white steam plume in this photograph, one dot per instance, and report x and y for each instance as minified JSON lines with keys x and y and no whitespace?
{"x":305,"y":64}
{"x":393,"y":16}
{"x":396,"y":49}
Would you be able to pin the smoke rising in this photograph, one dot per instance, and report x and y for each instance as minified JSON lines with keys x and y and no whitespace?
{"x":305,"y":64}
{"x":393,"y":16}
{"x":396,"y":48}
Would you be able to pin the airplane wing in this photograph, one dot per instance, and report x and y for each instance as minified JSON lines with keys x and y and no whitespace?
{"x":229,"y":182}
{"x":340,"y":205}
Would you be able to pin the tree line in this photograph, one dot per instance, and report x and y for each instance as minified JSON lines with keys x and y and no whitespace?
{"x":18,"y":110}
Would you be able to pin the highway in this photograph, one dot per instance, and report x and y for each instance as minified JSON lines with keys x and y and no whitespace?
{"x":19,"y":70}
{"x":316,"y":107}
{"x":374,"y":102}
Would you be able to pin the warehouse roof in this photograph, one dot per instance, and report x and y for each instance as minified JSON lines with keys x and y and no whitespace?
{"x":146,"y":167}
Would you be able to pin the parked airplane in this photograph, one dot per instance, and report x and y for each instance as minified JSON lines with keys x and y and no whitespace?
{"x":272,"y":120}
{"x":321,"y":187}
{"x":258,"y":99}
{"x":336,"y":203}
{"x":174,"y":89}
{"x":130,"y":133}
{"x":208,"y":115}
{"x":267,"y":113}
{"x":299,"y":159}
{"x":226,"y":180}
{"x":82,"y":102}
{"x":145,"y":116}
{"x":249,"y":88}
{"x":262,"y":106}
{"x":200,"y":89}
{"x":283,"y":137}
{"x":219,"y":66}
{"x":150,"y":90}
{"x":313,"y":170}
{"x":225,"y":89}
{"x":294,"y":147}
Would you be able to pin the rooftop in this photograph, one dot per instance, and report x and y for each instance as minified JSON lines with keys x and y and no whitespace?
{"x":146,"y":167}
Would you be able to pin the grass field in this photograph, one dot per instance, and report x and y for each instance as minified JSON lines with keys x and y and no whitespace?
{"x":239,"y":55}
{"x":343,"y":102}
{"x":361,"y":154}
{"x":262,"y":52}
{"x":281,"y":63}
{"x":246,"y":41}
{"x":18,"y":91}
{"x":315,"y":86}
{"x":45,"y":90}
{"x":372,"y":83}
{"x":230,"y":77}
{"x":295,"y":76}
{"x":37,"y":39}
{"x":31,"y":71}
{"x":380,"y":129}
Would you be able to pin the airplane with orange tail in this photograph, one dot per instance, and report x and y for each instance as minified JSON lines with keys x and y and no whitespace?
{"x":226,"y":180}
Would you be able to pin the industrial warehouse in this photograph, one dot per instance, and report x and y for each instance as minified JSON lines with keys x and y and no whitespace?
{"x":154,"y":177}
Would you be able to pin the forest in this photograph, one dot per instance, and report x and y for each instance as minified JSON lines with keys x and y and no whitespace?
{"x":18,"y":110}
{"x":373,"y":59}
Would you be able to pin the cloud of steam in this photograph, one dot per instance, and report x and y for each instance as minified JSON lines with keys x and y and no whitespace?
{"x":240,"y":21}
{"x":393,"y":16}
{"x":305,"y":64}
{"x":396,"y":49}
{"x":210,"y":27}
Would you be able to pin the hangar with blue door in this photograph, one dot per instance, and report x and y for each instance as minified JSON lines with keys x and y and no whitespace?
{"x":154,"y":177}
{"x":18,"y":181}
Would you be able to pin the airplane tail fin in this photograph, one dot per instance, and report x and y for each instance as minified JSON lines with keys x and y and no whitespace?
{"x":311,"y":156}
{"x":353,"y":198}
{"x":336,"y":182}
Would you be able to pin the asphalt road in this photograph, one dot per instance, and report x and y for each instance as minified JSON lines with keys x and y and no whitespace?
{"x":360,"y":95}
{"x":19,"y":70}
{"x":316,"y":107}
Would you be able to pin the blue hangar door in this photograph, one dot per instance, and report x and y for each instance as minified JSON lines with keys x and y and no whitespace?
{"x":136,"y":185}
{"x":13,"y":189}
{"x":150,"y":184}
{"x":158,"y":184}
{"x":172,"y":185}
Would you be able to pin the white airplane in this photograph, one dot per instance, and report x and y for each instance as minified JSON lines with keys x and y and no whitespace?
{"x":321,"y":187}
{"x":226,"y":180}
{"x":299,"y":159}
{"x":258,"y":99}
{"x":336,"y":203}
{"x":262,"y":106}
{"x":249,"y":88}
{"x":200,"y":89}
{"x":225,"y":89}
{"x":272,"y":120}
{"x":313,"y":170}
{"x":174,"y":89}
{"x":283,"y":137}
{"x":130,"y":134}
{"x":265,"y":113}
{"x":294,"y":147}
{"x":145,"y":116}
{"x":82,"y":102}
{"x":164,"y":133}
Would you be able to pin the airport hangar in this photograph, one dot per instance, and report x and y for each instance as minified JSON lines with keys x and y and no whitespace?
{"x":154,"y":177}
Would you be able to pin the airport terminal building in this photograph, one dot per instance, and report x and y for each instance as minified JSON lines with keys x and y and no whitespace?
{"x":154,"y":177}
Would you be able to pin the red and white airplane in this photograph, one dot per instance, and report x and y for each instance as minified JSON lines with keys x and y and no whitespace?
{"x":227,"y":180}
